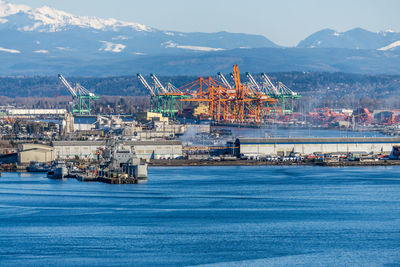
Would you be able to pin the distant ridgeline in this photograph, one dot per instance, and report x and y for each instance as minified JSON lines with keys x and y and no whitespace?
{"x":334,"y":87}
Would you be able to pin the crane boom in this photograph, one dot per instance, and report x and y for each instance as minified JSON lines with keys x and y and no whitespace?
{"x":170,"y":87}
{"x":270,"y":84}
{"x":252,"y":81}
{"x":145,"y":84}
{"x":66,"y":84}
{"x":158,"y":83}
{"x":283,"y":89}
{"x":224,"y":80}
{"x":82,"y":91}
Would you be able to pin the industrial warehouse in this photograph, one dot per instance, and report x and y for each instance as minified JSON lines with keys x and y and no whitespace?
{"x":162,"y":149}
{"x":258,"y":147}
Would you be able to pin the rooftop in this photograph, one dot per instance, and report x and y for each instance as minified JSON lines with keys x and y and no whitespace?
{"x":78,"y":143}
{"x":103,"y":143}
{"x":318,"y":140}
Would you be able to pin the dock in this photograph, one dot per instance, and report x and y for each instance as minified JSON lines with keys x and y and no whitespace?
{"x":118,"y":180}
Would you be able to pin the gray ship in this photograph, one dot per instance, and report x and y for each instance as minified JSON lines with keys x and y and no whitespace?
{"x":35,"y":166}
{"x":58,"y":170}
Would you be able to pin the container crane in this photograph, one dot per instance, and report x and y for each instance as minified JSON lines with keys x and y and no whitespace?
{"x":157,"y":83}
{"x":249,"y":103}
{"x":224,"y":80}
{"x":266,"y":88}
{"x":145,"y":84}
{"x":169,"y":98}
{"x":287,"y":93}
{"x":155,"y":103}
{"x":269,"y":86}
{"x":281,"y":92}
{"x":170,"y":87}
{"x":164,"y":89}
{"x":163,"y":98}
{"x":284,"y":90}
{"x":66,"y":84}
{"x":238,"y":104}
{"x":253,"y":82}
{"x":81,"y":97}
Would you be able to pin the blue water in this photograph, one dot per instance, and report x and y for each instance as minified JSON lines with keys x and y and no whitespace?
{"x":224,"y":216}
{"x":297,"y":132}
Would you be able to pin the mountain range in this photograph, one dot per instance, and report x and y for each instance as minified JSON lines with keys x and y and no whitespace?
{"x":357,"y":38}
{"x":46,"y":41}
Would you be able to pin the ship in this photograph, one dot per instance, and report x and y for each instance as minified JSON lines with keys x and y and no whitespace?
{"x":121,"y":166}
{"x":58,"y":170}
{"x":35,"y":166}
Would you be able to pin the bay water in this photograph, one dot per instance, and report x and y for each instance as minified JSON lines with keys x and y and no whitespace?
{"x":222,"y":216}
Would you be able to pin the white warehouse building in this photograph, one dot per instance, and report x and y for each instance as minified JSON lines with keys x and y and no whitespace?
{"x":255,"y":147}
{"x":160,"y":149}
{"x":82,"y":149}
{"x":35,"y":112}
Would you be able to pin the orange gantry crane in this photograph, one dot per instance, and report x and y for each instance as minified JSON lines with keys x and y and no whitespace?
{"x":213,"y":94}
{"x":237,"y":104}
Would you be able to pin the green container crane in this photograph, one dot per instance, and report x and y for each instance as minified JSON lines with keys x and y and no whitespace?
{"x":81,"y":97}
{"x":163,"y":99}
{"x":281,"y":92}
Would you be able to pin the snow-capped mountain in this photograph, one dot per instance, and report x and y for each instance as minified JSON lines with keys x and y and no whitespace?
{"x":47,"y":19}
{"x":353,"y":39}
{"x":51,"y":32}
{"x":392,"y":46}
{"x":47,"y":41}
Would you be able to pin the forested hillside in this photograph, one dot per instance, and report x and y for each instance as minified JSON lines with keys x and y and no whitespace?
{"x":336,"y":88}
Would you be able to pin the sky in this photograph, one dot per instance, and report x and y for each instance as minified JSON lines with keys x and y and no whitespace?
{"x":285,"y":22}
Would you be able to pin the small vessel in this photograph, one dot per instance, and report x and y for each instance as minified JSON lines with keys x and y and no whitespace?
{"x":34,"y":166}
{"x":58,"y":170}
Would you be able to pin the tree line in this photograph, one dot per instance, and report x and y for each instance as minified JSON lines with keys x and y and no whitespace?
{"x":319,"y":88}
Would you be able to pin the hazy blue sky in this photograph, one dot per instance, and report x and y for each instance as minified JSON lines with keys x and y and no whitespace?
{"x":285,"y":22}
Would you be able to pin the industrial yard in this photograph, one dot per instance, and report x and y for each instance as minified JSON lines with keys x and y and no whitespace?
{"x":229,"y":120}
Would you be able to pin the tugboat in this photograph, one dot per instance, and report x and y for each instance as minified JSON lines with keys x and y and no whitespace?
{"x":58,"y":170}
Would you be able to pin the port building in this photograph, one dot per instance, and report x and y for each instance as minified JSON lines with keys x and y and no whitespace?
{"x":34,"y":112}
{"x":35,"y":152}
{"x":257,"y":147}
{"x":81,"y":149}
{"x":158,"y":149}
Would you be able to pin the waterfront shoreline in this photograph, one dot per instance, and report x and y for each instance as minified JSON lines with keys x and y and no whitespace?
{"x":199,"y":163}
